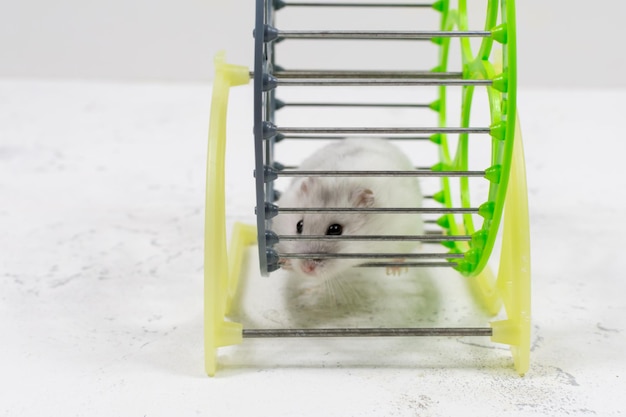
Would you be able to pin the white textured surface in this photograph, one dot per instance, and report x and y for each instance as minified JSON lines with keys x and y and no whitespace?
{"x":101,"y":205}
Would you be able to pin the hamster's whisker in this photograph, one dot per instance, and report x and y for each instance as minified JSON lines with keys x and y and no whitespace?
{"x":350,"y":293}
{"x":330,"y":290}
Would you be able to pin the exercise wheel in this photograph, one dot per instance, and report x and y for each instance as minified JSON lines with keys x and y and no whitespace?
{"x":468,"y":229}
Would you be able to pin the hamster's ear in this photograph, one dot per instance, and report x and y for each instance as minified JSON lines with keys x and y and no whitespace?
{"x":363,"y":197}
{"x":306,"y":185}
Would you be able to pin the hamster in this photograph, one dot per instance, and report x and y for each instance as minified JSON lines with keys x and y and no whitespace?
{"x":358,"y":154}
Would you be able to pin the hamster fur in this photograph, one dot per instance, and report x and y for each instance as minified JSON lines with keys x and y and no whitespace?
{"x":356,"y":154}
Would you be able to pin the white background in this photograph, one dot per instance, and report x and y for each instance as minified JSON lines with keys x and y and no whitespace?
{"x":561,"y":43}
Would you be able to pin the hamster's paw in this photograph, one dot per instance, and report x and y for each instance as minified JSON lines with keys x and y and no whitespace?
{"x":397,"y":269}
{"x":285,"y":264}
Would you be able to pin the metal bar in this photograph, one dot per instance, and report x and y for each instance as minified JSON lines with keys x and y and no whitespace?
{"x":386,"y":105}
{"x":408,"y":265}
{"x":437,"y":255}
{"x":382,"y":130}
{"x":380,"y":35}
{"x":394,"y":238}
{"x":281,"y":4}
{"x":380,"y":82}
{"x":418,"y":173}
{"x":310,"y":137}
{"x":287,"y":74}
{"x":293,"y":167}
{"x":379,"y":210}
{"x":371,"y":332}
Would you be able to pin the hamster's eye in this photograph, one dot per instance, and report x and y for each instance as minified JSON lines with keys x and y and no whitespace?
{"x":299,"y":227}
{"x":334,"y":230}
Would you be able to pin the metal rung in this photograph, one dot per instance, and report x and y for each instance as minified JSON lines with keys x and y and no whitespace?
{"x":379,"y":210}
{"x":375,"y":82}
{"x":419,"y":173}
{"x":387,"y":105}
{"x":279,"y":4}
{"x":372,"y":34}
{"x":329,"y":137}
{"x":418,"y":238}
{"x":272,"y":131}
{"x":286,"y":74}
{"x":287,"y":168}
{"x":437,"y":255}
{"x":371,"y":332}
{"x":408,"y":265}
{"x":277,"y":167}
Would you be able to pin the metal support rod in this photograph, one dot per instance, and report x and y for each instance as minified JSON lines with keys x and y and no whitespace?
{"x":371,"y":332}
{"x":418,"y":173}
{"x":389,"y":105}
{"x":379,"y":210}
{"x":330,"y":137}
{"x":382,"y":130}
{"x":394,"y":238}
{"x":288,"y":74}
{"x":379,"y":35}
{"x":279,"y":4}
{"x":380,"y":82}
{"x":408,"y":265}
{"x":293,"y":167}
{"x":437,"y":255}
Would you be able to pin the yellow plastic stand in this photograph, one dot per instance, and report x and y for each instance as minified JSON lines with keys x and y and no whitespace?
{"x":220,"y":277}
{"x":512,"y":285}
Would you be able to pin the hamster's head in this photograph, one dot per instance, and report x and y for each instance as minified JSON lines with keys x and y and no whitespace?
{"x":323,"y":193}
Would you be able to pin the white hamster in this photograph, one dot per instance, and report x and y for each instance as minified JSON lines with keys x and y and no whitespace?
{"x":358,"y":154}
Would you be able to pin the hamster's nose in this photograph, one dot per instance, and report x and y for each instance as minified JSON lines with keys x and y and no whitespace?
{"x":309,"y":266}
